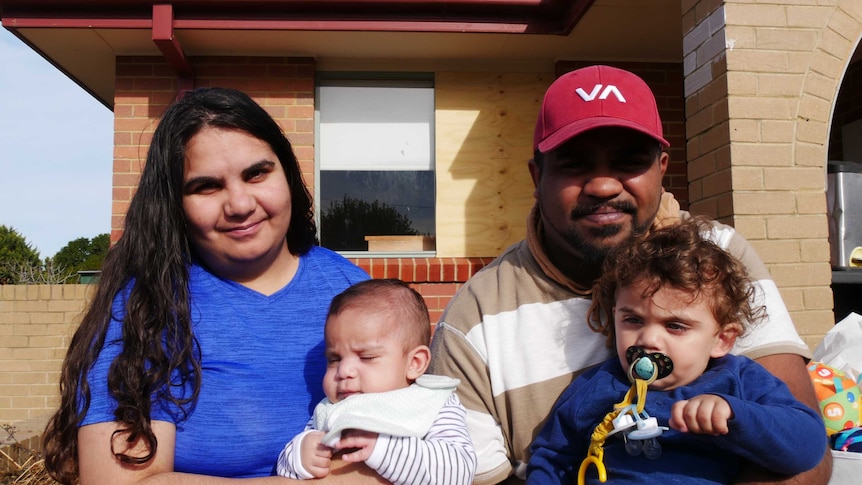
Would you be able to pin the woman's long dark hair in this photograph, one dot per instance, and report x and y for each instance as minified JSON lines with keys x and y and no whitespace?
{"x":151,"y":259}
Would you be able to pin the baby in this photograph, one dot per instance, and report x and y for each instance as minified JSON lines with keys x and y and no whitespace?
{"x":379,"y":407}
{"x":680,"y":302}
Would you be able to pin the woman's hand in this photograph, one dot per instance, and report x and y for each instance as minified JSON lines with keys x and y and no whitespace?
{"x":98,"y":465}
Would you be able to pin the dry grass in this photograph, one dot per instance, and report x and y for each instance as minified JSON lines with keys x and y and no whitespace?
{"x":31,"y":472}
{"x":19,"y":465}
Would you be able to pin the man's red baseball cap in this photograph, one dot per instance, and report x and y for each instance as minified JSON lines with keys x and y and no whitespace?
{"x":594,"y":97}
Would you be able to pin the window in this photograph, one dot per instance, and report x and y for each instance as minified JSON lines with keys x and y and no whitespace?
{"x":376,"y":152}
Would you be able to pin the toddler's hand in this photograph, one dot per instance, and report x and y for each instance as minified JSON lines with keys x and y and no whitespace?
{"x":362,"y":442}
{"x":315,"y":455}
{"x":704,"y":414}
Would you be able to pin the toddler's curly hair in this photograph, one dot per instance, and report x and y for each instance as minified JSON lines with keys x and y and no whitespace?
{"x":677,"y":256}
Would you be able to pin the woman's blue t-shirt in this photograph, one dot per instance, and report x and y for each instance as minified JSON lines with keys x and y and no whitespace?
{"x":263,"y":364}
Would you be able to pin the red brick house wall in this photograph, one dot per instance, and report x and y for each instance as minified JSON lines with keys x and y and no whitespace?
{"x":285,"y":87}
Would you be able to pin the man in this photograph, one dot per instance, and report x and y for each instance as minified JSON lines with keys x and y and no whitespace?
{"x":517,"y":334}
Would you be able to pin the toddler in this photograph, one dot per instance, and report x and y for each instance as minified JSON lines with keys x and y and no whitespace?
{"x":680,"y":302}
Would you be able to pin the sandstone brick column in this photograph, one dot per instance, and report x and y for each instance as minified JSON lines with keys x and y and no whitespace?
{"x":761,"y":81}
{"x":36,"y":325}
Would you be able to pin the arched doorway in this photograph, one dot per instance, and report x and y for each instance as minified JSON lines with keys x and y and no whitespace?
{"x":844,"y":190}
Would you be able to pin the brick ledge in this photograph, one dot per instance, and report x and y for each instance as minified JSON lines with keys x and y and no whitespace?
{"x":423,"y":270}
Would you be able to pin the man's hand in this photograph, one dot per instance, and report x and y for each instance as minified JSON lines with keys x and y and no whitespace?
{"x":704,"y":414}
{"x":316,"y":456}
{"x":790,"y":369}
{"x":361,"y":441}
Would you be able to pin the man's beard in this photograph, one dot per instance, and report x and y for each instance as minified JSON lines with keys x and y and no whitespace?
{"x":595,"y":254}
{"x":589,"y":252}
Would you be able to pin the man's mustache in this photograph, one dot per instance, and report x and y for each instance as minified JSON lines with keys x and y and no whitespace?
{"x":587,"y":210}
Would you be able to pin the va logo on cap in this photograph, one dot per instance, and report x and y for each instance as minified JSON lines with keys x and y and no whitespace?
{"x":597,"y":89}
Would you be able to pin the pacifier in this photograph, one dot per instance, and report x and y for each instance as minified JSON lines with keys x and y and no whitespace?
{"x":647,"y":366}
{"x":639,"y":430}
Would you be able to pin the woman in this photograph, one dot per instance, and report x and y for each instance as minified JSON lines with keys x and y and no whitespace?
{"x":201,"y":351}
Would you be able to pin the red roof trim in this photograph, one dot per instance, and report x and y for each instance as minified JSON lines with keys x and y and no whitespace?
{"x":504,"y":16}
{"x":169,"y":45}
{"x":75,"y":23}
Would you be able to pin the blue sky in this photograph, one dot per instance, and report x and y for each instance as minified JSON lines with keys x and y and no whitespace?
{"x":56,"y":152}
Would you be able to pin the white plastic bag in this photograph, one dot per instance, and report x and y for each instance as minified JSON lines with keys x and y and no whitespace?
{"x":846,"y":468}
{"x":841,"y":348}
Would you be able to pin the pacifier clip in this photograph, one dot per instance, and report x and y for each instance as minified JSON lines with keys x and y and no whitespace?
{"x":639,"y":431}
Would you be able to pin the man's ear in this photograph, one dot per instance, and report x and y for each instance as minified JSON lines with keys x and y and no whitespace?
{"x":724,"y":340}
{"x":536,"y":175}
{"x":663,"y":160}
{"x":419,"y":358}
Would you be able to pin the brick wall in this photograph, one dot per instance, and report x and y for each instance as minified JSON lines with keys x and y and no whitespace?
{"x":36,"y":322}
{"x":760,"y":82}
{"x":436,"y":279}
